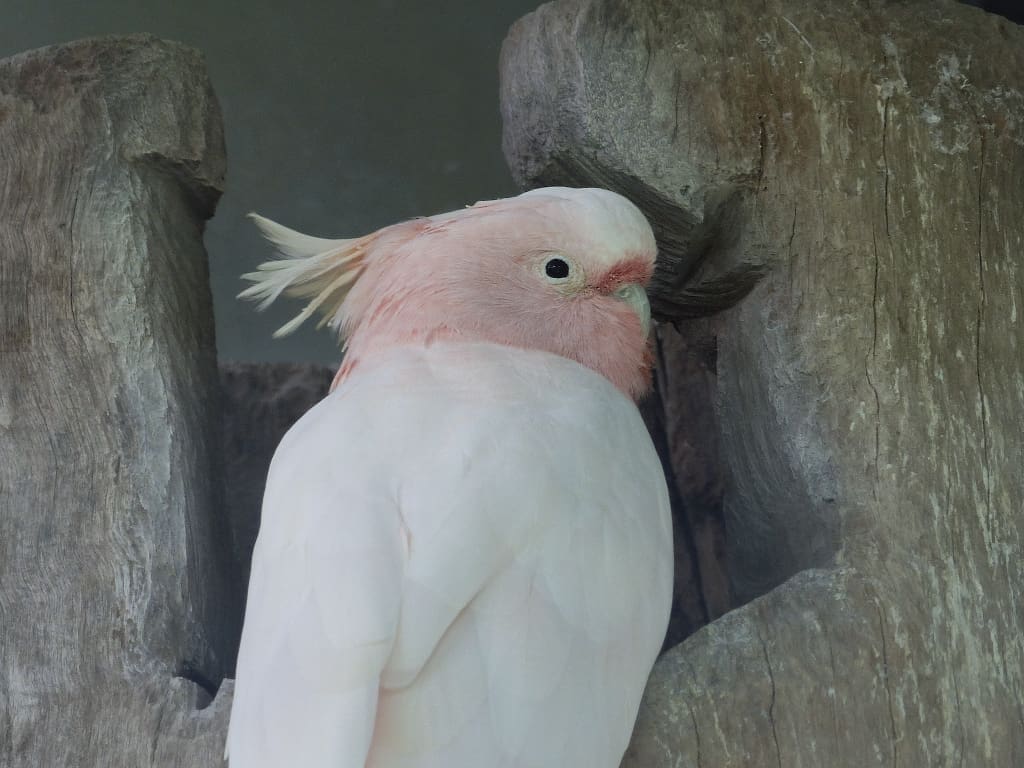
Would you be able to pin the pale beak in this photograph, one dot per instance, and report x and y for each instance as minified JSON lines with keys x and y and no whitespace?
{"x":634,"y":295}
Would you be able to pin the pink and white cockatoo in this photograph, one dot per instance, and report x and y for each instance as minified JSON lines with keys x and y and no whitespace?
{"x":465,"y":555}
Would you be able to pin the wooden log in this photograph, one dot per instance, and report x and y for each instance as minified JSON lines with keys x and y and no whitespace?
{"x":870,"y":392}
{"x":116,"y":627}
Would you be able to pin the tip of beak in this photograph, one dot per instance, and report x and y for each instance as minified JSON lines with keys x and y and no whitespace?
{"x":636,"y":297}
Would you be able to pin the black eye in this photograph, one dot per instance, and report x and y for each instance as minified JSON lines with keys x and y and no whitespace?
{"x":556,"y":268}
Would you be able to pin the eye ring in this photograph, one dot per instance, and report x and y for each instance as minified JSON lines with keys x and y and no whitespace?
{"x":557,"y":268}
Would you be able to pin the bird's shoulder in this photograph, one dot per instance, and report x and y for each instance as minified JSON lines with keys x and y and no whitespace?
{"x":413,"y":393}
{"x":441,"y":430}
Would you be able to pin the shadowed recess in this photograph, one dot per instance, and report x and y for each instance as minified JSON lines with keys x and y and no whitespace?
{"x":689,"y":281}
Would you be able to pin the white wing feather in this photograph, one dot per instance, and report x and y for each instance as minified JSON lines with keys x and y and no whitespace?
{"x":481,"y":540}
{"x":324,"y":596}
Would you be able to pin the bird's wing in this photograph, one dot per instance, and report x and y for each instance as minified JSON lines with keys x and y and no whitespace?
{"x":539,"y":579}
{"x":323,"y":605}
{"x":443,"y":587}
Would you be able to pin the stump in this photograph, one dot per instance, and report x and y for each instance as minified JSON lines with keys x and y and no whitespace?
{"x":113,"y":553}
{"x":869,"y":393}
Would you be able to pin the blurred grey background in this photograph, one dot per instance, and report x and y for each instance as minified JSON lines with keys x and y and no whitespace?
{"x":340,"y":117}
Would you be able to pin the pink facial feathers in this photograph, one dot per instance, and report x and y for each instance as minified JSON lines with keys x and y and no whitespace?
{"x":555,"y":269}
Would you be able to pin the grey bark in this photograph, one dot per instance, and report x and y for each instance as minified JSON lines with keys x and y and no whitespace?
{"x":870,"y":391}
{"x":114,"y":607}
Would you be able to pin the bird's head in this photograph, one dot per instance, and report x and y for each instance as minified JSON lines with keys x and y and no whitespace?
{"x":555,"y":269}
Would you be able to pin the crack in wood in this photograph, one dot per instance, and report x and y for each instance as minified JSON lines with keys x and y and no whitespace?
{"x":886,"y":683}
{"x":71,"y":269}
{"x":982,"y":301}
{"x":648,"y":51}
{"x":693,"y":680}
{"x":874,"y":294}
{"x":792,"y":264}
{"x":676,"y":86}
{"x":771,"y":703}
{"x":885,"y":164}
{"x":869,"y":362}
{"x":762,"y":151}
{"x":696,"y":734}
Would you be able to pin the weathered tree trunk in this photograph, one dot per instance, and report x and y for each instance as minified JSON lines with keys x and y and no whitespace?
{"x":870,"y":391}
{"x":113,"y":614}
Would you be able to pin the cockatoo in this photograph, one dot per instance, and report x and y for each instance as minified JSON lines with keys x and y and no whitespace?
{"x":465,"y":554}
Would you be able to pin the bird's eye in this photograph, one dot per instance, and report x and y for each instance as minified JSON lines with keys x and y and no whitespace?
{"x":556,"y":268}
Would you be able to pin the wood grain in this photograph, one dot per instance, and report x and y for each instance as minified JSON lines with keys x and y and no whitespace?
{"x":870,"y":391}
{"x":112,"y":555}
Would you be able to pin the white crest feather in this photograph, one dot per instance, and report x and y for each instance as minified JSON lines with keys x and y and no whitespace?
{"x":316,"y":268}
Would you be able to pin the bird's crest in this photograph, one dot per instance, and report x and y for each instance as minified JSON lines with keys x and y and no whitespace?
{"x":314,"y":268}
